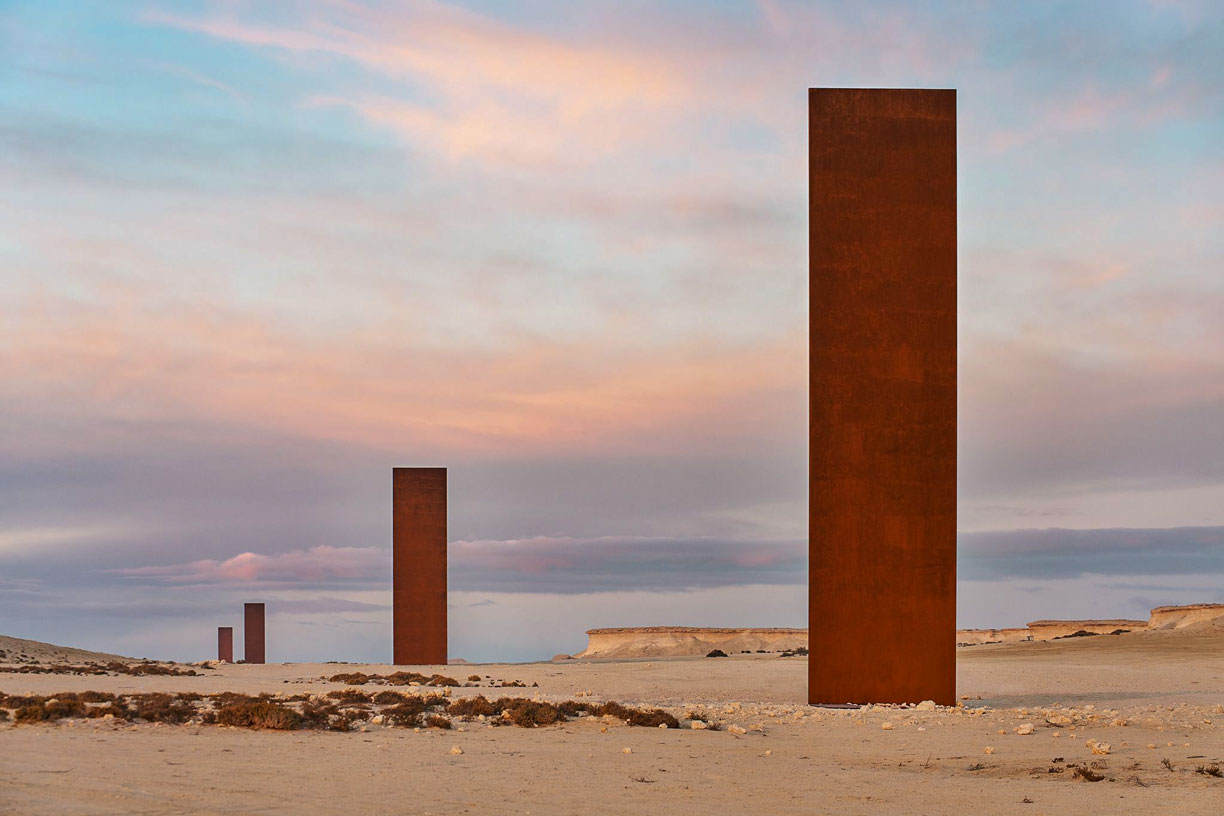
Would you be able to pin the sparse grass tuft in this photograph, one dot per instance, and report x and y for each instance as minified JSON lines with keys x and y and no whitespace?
{"x":473,"y":678}
{"x":1209,"y":770}
{"x":438,"y":721}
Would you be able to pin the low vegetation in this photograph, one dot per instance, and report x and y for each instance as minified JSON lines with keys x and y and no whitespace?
{"x":114,"y":667}
{"x":339,"y":710}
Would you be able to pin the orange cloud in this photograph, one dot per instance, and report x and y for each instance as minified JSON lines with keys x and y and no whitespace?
{"x":484,"y":89}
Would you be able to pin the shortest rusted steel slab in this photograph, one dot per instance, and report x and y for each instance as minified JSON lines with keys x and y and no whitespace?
{"x":253,"y":633}
{"x":225,"y":643}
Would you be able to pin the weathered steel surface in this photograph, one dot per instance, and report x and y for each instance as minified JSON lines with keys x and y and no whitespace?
{"x":253,"y":633}
{"x":419,"y":565}
{"x":882,"y":503}
{"x":225,"y":643}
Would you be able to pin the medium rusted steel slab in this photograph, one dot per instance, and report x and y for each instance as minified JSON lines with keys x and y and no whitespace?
{"x":882,"y":503}
{"x":225,"y":643}
{"x":253,"y":633}
{"x":419,"y":565}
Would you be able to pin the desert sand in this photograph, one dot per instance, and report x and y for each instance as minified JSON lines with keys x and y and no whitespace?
{"x":1149,"y":696}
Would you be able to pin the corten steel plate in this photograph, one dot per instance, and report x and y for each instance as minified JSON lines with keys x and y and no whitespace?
{"x":419,"y":565}
{"x":253,"y":632}
{"x":225,"y":643}
{"x":882,"y":503}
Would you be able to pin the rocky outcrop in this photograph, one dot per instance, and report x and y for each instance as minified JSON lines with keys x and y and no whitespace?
{"x":678,"y":641}
{"x":1178,"y":617}
{"x":1051,"y":629}
{"x":978,"y":637}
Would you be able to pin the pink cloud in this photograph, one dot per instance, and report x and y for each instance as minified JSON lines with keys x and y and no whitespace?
{"x":296,"y":566}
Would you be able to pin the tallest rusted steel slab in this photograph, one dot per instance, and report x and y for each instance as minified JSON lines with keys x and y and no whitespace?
{"x":419,"y":565}
{"x":882,"y":503}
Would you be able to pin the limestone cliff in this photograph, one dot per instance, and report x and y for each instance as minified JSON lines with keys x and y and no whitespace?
{"x":677,"y":641}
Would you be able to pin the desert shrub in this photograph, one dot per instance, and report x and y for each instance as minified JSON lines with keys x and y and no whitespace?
{"x":160,"y":707}
{"x":651,"y":718}
{"x":528,"y":713}
{"x":511,"y":684}
{"x":262,"y":714}
{"x":716,"y":653}
{"x":343,"y":721}
{"x":49,"y":709}
{"x":117,"y":710}
{"x":403,"y":678}
{"x":95,"y":697}
{"x":388,"y":698}
{"x":350,"y":696}
{"x":438,"y":721}
{"x":470,"y":707}
{"x":405,"y":715}
{"x":318,"y":713}
{"x":19,"y":700}
{"x":1086,"y":773}
{"x":473,"y":678}
{"x":351,"y":678}
{"x":571,"y":708}
{"x":4,"y":715}
{"x":1209,"y":770}
{"x":225,"y":698}
{"x":442,"y":680}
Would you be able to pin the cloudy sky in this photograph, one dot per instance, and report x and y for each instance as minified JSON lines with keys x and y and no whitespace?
{"x":255,"y":254}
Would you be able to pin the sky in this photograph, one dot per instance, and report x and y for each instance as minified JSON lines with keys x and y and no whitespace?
{"x":253,"y":255}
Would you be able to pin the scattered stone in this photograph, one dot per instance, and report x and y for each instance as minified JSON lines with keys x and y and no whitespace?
{"x":736,"y":729}
{"x":456,"y":750}
{"x":988,"y":750}
{"x":626,"y":750}
{"x":1097,"y":747}
{"x":925,"y":705}
{"x":1024,"y":729}
{"x":698,"y":725}
{"x":886,"y":726}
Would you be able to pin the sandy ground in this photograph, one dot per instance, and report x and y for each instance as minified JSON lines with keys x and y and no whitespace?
{"x":1164,"y":690}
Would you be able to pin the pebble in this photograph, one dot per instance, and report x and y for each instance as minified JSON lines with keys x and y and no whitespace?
{"x":925,"y":705}
{"x":456,"y":750}
{"x":886,"y":726}
{"x":1024,"y":729}
{"x":626,"y":750}
{"x":988,"y":750}
{"x":736,"y":729}
{"x":698,"y":725}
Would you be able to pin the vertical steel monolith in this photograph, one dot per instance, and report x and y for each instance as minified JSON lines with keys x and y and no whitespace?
{"x":418,"y":497}
{"x":253,"y":633}
{"x":225,"y":643}
{"x":882,"y":495}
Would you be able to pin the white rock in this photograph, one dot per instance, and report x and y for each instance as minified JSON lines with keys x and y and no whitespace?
{"x":925,"y":705}
{"x":736,"y":729}
{"x":456,"y":750}
{"x":1024,"y":729}
{"x":698,"y":725}
{"x":626,"y":750}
